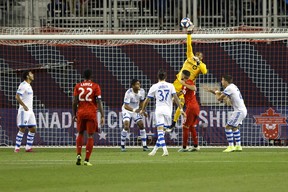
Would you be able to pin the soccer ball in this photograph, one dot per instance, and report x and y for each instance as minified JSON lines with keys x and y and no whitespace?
{"x":185,"y":22}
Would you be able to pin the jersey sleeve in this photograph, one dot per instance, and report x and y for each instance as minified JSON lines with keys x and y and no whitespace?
{"x":203,"y":68}
{"x":126,"y":98}
{"x":227,"y":91}
{"x":190,"y":82}
{"x":173,"y":90}
{"x":98,"y":91}
{"x":151,"y":92}
{"x":142,"y":94}
{"x":189,"y":52}
{"x":21,"y":89}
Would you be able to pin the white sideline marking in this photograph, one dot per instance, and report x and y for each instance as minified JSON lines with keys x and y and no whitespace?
{"x":99,"y":162}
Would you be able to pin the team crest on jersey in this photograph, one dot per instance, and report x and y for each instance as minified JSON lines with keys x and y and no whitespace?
{"x":270,"y":122}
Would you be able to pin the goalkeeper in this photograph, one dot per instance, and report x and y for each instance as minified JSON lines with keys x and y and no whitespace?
{"x":194,"y":65}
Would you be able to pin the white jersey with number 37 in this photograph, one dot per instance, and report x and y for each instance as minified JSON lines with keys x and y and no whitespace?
{"x":163,"y":93}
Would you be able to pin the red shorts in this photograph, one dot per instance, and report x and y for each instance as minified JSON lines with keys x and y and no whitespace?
{"x":192,"y":113}
{"x":89,"y":125}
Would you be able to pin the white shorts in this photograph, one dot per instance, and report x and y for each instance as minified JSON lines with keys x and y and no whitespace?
{"x":26,"y":119}
{"x":163,"y":120}
{"x":236,"y":118}
{"x":128,"y":115}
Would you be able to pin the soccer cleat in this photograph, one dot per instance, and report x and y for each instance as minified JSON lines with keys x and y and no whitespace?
{"x":152,"y":153}
{"x":16,"y":150}
{"x":87,"y":163}
{"x":29,"y":150}
{"x":78,"y":161}
{"x":165,"y":154}
{"x":123,"y":149}
{"x":183,"y":150}
{"x":194,"y":149}
{"x":238,"y":148}
{"x":229,"y":149}
{"x":145,"y":148}
{"x":168,"y":130}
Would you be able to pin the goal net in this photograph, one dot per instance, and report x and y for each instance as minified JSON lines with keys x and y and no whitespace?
{"x":257,"y":62}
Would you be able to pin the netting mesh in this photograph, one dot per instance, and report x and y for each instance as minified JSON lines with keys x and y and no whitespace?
{"x":258,"y":67}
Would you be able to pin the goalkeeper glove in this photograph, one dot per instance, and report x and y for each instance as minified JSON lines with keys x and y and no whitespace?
{"x":190,"y":28}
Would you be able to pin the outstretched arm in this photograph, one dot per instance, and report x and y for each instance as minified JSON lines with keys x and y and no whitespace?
{"x":207,"y":89}
{"x":189,"y":52}
{"x":219,"y":95}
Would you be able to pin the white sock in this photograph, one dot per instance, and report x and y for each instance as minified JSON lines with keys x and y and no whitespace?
{"x":165,"y":149}
{"x":123,"y":136}
{"x":229,"y":136}
{"x":143,"y":137}
{"x":30,"y":140}
{"x":161,"y":139}
{"x":237,"y":137}
{"x":19,"y":138}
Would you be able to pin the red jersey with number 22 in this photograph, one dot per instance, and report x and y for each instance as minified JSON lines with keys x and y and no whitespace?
{"x":87,"y":91}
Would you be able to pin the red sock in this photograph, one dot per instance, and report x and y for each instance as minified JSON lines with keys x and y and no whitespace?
{"x":79,"y":143}
{"x":185,"y":136}
{"x":89,"y":147}
{"x":194,"y":135}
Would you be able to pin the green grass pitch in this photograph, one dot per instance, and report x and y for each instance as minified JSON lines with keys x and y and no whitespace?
{"x":54,"y":169}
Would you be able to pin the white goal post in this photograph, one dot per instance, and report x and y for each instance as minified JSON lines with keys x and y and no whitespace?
{"x":248,"y":36}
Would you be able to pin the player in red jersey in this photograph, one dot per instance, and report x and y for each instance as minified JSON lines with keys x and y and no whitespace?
{"x":86,"y":101}
{"x":192,"y":112}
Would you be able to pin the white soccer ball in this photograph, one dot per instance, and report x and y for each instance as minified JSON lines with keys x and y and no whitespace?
{"x":185,"y":22}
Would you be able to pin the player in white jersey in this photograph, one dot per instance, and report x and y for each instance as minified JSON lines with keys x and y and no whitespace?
{"x":233,"y":95}
{"x":133,"y":101}
{"x":25,"y":117}
{"x":163,"y":92}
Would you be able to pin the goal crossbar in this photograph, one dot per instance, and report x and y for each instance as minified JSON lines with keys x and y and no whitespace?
{"x":146,"y":36}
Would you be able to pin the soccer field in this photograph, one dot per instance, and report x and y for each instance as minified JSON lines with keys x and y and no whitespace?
{"x":54,"y":169}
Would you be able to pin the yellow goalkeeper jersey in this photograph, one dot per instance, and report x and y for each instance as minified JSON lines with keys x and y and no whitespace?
{"x":190,"y":64}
